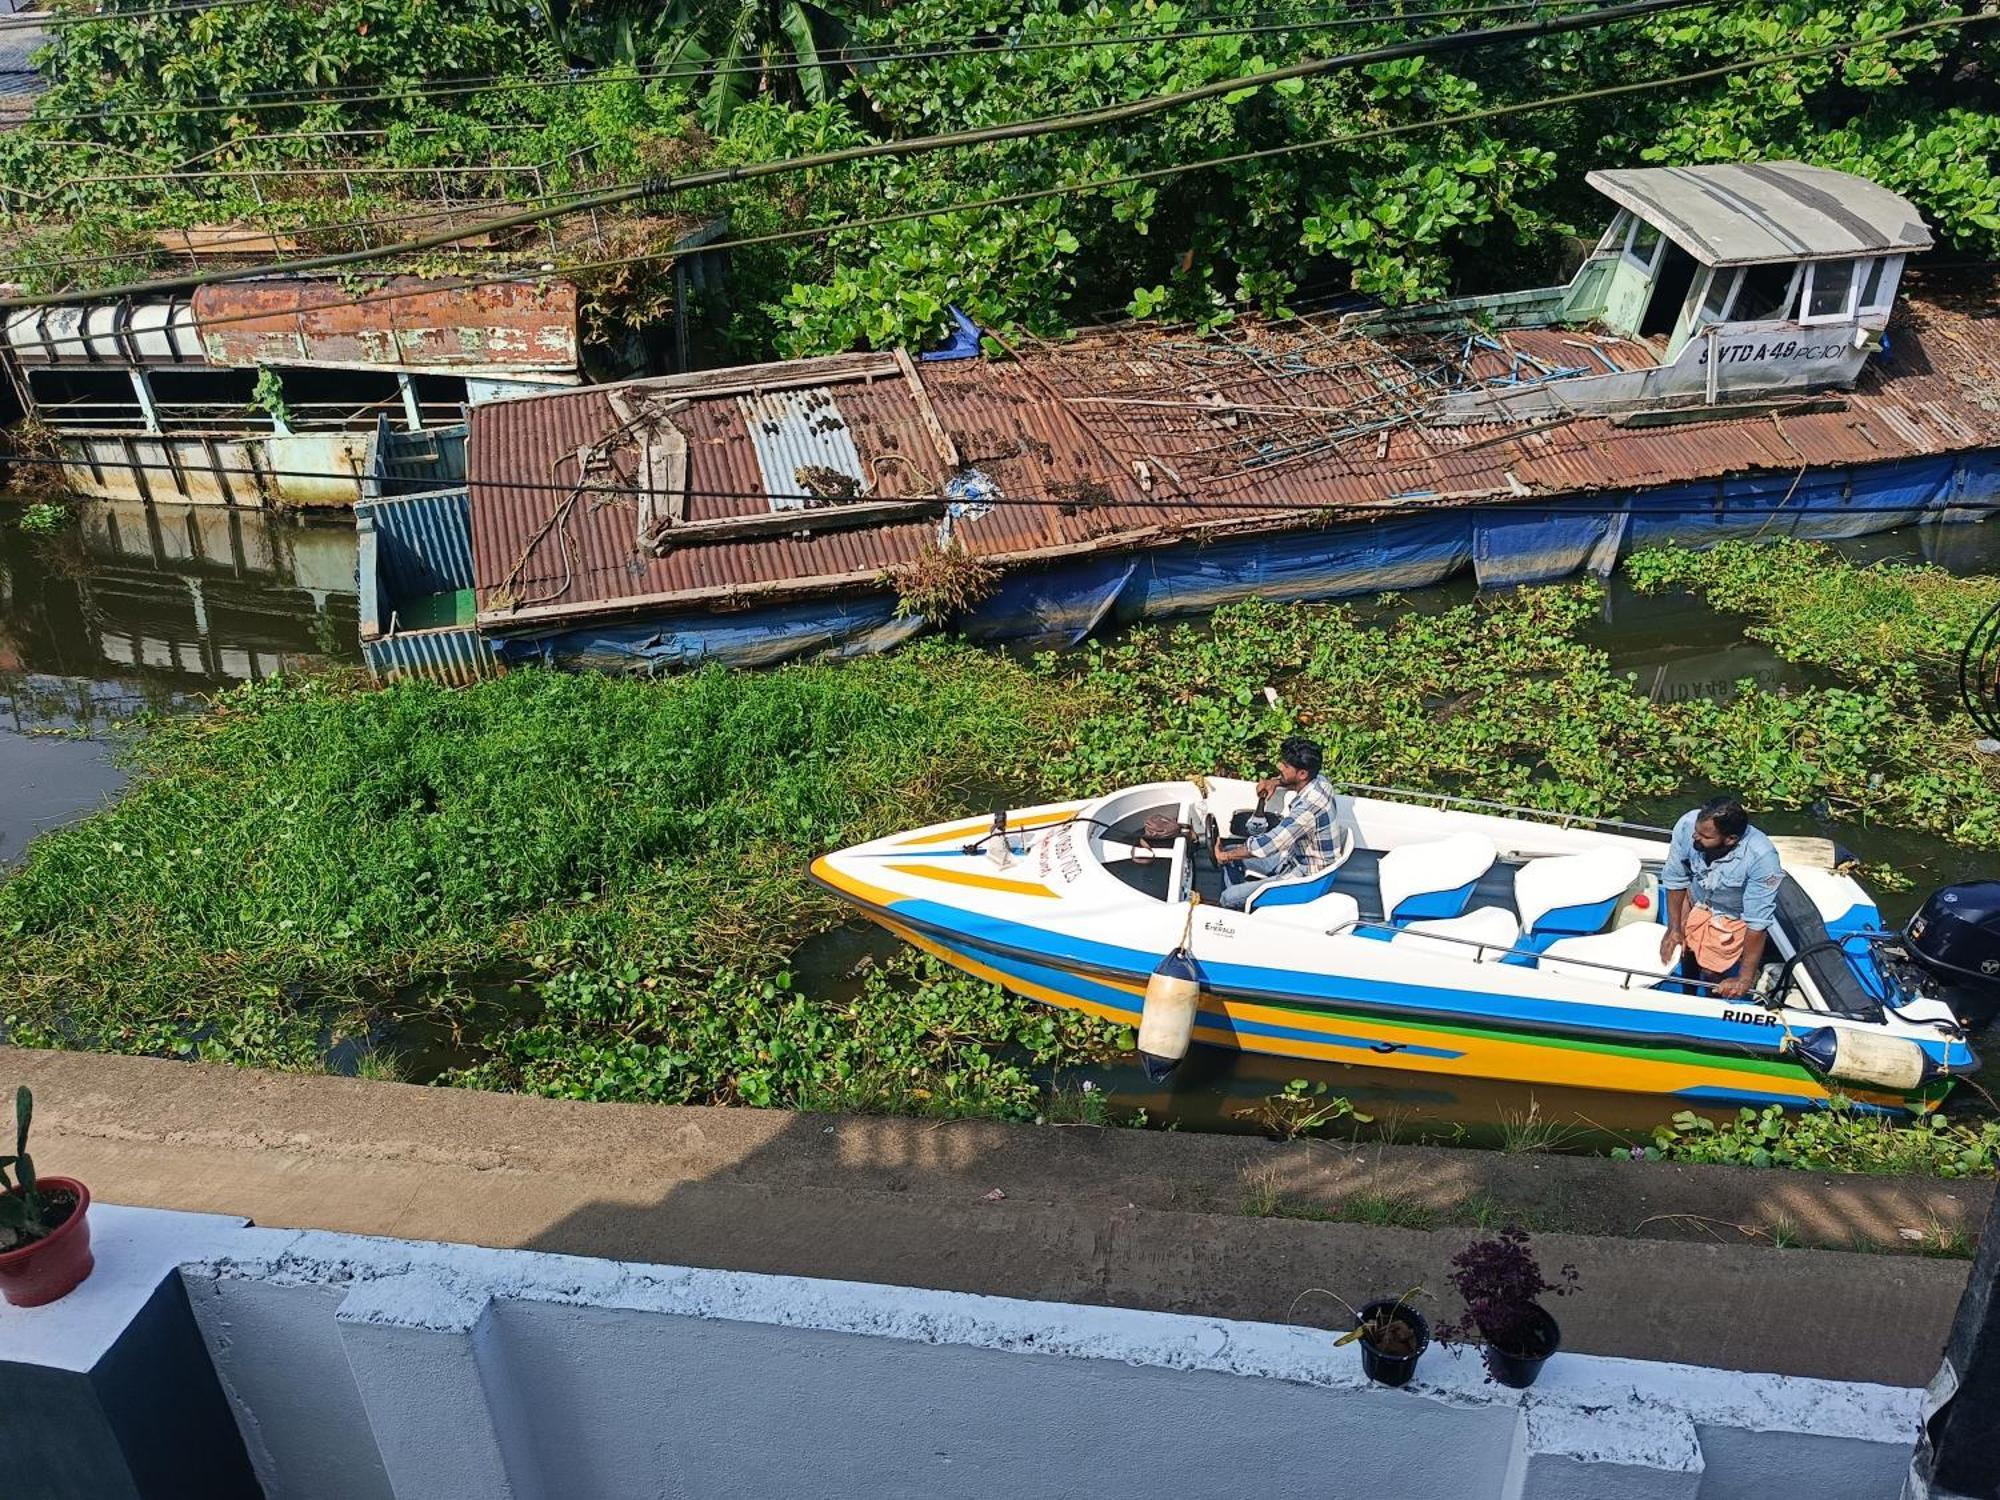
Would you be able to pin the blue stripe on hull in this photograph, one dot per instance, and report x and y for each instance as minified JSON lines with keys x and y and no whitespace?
{"x":1083,"y":987}
{"x":1623,"y":1024}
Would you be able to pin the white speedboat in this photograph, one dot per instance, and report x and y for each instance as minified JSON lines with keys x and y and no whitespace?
{"x":1457,"y":938}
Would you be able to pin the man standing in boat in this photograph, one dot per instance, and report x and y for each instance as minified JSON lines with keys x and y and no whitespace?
{"x":1721,"y":880}
{"x":1305,"y":841}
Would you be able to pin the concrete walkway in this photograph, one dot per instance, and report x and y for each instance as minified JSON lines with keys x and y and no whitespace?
{"x":1127,"y":1218}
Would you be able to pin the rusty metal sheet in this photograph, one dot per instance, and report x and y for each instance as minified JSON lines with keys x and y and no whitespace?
{"x":426,"y":325}
{"x":1075,"y":471}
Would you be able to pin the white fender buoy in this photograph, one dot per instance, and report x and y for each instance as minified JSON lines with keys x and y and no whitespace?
{"x":1166,"y":1023}
{"x":1166,"y":1018}
{"x":1848,"y":1055}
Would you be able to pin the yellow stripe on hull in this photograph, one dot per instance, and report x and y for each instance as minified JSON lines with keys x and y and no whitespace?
{"x":975,"y":879}
{"x":1480,"y":1056}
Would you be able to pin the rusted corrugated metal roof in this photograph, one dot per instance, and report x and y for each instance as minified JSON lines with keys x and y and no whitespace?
{"x":1129,"y":439}
{"x":496,"y":326}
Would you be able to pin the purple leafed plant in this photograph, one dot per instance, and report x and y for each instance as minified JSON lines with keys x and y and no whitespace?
{"x":1502,"y":1284}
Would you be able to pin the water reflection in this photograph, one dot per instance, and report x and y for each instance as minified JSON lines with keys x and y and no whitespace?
{"x":138,"y":607}
{"x":190,"y":596}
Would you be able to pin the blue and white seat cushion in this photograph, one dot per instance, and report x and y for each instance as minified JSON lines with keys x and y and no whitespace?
{"x":1484,"y":933}
{"x":1297,"y":889}
{"x":1433,"y":880}
{"x":1571,"y":895}
{"x":1629,"y":955}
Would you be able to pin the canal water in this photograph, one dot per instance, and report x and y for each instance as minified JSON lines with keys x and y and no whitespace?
{"x":140,"y":608}
{"x":153,"y":608}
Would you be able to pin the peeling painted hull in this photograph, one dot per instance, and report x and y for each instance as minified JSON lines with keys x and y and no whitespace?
{"x":319,"y":470}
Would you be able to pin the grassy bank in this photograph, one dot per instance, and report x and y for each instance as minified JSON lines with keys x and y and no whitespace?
{"x":286,"y":865}
{"x":291,"y":868}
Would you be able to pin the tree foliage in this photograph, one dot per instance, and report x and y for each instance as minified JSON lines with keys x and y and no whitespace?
{"x":1308,"y":198}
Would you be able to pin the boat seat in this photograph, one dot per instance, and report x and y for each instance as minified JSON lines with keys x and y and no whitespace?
{"x":1634,"y":947}
{"x":1432,"y":880}
{"x":1492,"y":927}
{"x":1299,"y":889}
{"x":1333,"y":913}
{"x":1572,"y":895}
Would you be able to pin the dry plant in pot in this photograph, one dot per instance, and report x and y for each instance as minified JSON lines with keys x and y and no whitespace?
{"x":1393,"y":1336}
{"x":1392,"y":1333}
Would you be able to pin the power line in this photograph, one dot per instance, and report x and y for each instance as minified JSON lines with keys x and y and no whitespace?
{"x":1157,"y":173}
{"x":58,"y":20}
{"x":1426,"y":502}
{"x":1008,"y":199}
{"x":1448,"y":42}
{"x":270,"y":230}
{"x":498,"y":83}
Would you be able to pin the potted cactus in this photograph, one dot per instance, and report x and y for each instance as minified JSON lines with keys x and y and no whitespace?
{"x":44,"y":1223}
{"x":1501,"y":1282}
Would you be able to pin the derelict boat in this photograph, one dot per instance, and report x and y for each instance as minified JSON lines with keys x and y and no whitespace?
{"x":1449,"y":939}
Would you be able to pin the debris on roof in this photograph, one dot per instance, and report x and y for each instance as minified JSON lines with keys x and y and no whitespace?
{"x":1125,"y":438}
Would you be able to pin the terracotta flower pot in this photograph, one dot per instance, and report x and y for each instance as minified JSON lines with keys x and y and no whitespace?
{"x":50,"y":1267}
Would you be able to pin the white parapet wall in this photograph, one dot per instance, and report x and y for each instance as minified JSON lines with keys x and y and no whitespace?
{"x":365,"y":1369}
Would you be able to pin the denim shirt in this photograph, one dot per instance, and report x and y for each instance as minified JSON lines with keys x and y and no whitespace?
{"x":1742,"y":883}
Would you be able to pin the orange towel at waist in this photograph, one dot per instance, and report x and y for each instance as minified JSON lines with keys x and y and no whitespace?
{"x":1715,"y":941}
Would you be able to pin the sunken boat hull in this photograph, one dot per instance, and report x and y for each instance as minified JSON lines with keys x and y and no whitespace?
{"x":1735,"y":358}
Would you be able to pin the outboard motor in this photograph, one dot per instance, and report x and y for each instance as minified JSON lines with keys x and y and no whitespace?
{"x":1956,"y":938}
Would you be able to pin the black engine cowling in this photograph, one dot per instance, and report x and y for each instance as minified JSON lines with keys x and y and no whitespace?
{"x":1956,"y":937}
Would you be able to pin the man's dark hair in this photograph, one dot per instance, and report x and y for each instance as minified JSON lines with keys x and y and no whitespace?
{"x":1727,"y":814}
{"x":1303,"y":753}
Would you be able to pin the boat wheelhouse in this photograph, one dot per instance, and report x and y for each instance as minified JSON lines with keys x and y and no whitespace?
{"x":1746,"y":282}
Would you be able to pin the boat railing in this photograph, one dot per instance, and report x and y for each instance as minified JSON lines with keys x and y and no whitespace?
{"x":1653,"y":980}
{"x":1448,"y":799}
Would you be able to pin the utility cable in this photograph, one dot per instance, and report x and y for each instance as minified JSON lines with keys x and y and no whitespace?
{"x":1395,"y":506}
{"x":57,"y":20}
{"x":1093,"y":185}
{"x":1152,"y":174}
{"x":500,"y":83}
{"x":259,"y":231}
{"x":1449,"y":42}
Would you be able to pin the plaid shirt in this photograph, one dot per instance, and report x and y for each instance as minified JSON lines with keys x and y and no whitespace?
{"x":1309,"y":833}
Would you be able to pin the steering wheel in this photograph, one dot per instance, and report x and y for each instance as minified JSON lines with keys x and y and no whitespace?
{"x":1211,"y":834}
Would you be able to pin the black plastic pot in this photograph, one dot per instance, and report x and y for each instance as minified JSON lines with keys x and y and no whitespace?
{"x":1520,"y":1370}
{"x":1393,"y":1369}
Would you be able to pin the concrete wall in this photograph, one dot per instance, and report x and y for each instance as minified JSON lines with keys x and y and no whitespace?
{"x":366,"y":1368}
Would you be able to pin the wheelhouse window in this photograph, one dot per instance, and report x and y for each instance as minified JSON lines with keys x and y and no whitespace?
{"x":1830,"y":288}
{"x":1764,"y":293}
{"x":1642,"y":246}
{"x":1878,"y":284}
{"x":1715,"y":300}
